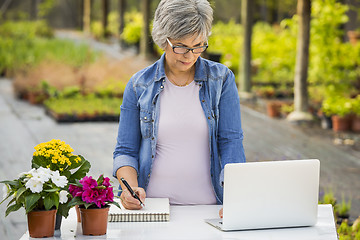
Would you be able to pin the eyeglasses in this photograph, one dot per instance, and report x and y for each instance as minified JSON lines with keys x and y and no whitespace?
{"x":183,"y":50}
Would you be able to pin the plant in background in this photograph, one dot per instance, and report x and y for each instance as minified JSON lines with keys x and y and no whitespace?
{"x":344,"y":208}
{"x":57,"y":156}
{"x":38,"y":189}
{"x":91,"y":193}
{"x":132,"y":30}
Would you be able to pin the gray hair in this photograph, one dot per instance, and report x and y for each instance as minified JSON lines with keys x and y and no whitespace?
{"x":177,"y":19}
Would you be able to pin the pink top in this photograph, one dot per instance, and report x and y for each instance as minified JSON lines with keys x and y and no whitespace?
{"x":181,"y":169}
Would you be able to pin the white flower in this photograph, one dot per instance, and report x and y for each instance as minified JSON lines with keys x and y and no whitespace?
{"x":6,"y":191}
{"x":63,"y":196}
{"x":41,"y":174}
{"x":22,"y":174}
{"x":58,"y":180}
{"x":34,"y":185}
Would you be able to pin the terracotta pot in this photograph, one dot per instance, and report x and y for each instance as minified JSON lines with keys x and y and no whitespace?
{"x":78,"y":215}
{"x":273,"y":108}
{"x":355,"y":124}
{"x":340,"y":123}
{"x":354,"y":37}
{"x":41,"y":223}
{"x":94,"y":221}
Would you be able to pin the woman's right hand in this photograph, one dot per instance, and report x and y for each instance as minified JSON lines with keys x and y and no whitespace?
{"x":129,"y":202}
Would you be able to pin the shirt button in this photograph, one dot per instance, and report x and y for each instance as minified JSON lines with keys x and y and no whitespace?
{"x":161,"y":86}
{"x":209,"y":118}
{"x":203,"y":100}
{"x":152,"y":138}
{"x":145,"y":118}
{"x":152,"y":156}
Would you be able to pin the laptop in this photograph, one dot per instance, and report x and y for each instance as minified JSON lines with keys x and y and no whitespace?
{"x":271,"y":194}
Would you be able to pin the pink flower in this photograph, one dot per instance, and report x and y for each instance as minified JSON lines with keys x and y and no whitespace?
{"x":75,"y":191}
{"x":109,"y":194}
{"x":88,"y":183}
{"x":106,"y":182}
{"x":90,"y":195}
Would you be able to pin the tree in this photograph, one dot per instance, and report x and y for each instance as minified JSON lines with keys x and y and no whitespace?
{"x":86,"y":16}
{"x":105,"y":9}
{"x":301,"y":104}
{"x":245,"y":67}
{"x":145,"y":41}
{"x":33,"y":9}
{"x":122,"y":7}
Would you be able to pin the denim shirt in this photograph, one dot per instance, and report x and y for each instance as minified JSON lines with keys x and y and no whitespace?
{"x":139,"y":120}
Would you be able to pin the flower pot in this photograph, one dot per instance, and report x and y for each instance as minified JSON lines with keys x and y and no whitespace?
{"x":273,"y":108}
{"x":354,"y":37}
{"x":78,"y":215}
{"x":41,"y":223}
{"x":355,"y":124}
{"x":340,"y":123}
{"x":94,"y":221}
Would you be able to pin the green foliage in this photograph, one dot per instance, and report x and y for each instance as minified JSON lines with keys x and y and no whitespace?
{"x":344,"y":207}
{"x":331,"y":60}
{"x":25,"y":44}
{"x":226,"y":39}
{"x":274,"y":53}
{"x":45,"y":7}
{"x":89,"y":104}
{"x":336,"y":102}
{"x":132,"y":29}
{"x":38,"y":189}
{"x":97,"y":30}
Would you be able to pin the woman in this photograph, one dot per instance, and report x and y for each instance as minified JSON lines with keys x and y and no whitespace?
{"x":180,"y":118}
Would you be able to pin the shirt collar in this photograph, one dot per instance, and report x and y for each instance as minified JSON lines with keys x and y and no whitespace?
{"x":200,"y":73}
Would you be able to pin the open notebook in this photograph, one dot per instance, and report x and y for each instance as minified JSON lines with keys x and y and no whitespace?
{"x":155,"y":210}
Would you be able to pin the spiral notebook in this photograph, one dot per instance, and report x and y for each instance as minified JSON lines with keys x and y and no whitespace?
{"x":155,"y":210}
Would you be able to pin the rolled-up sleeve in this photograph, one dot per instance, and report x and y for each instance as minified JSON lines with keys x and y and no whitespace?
{"x":129,"y":136}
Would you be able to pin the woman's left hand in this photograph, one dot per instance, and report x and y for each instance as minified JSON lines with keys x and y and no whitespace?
{"x":221,"y":213}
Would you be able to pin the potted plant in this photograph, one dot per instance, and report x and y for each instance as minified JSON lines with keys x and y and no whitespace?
{"x":339,"y":108}
{"x":343,"y":210}
{"x":93,"y":197}
{"x":56,"y":155}
{"x":40,"y":192}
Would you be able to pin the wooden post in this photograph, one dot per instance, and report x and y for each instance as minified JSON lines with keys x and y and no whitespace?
{"x":301,"y":104}
{"x":122,"y":7}
{"x":245,"y":67}
{"x":145,"y":41}
{"x":105,"y":10}
{"x":86,"y":16}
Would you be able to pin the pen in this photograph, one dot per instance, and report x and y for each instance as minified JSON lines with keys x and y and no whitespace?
{"x":131,"y":191}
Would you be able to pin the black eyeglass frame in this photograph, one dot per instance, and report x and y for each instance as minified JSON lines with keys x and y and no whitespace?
{"x":187,"y":48}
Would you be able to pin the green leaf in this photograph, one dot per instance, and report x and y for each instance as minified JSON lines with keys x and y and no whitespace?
{"x":30,"y":201}
{"x":63,"y":210}
{"x":20,"y":192}
{"x":81,"y":172}
{"x":48,"y":202}
{"x":52,"y":190}
{"x":100,"y":179}
{"x":38,"y":161}
{"x":13,"y":208}
{"x":11,"y":183}
{"x":75,"y":201}
{"x":87,"y":205}
{"x":116,"y":204}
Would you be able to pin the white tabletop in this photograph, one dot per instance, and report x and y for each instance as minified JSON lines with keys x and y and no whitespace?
{"x":187,"y":222}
